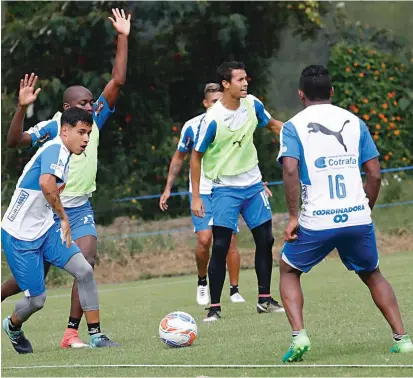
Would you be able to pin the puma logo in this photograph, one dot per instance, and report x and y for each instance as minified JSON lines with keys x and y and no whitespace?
{"x":316,"y":127}
{"x":238,"y":141}
{"x":216,"y":180}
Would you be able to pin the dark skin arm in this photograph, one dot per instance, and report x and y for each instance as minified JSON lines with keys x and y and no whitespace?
{"x":292,"y":196}
{"x":16,"y":138}
{"x":51,"y":192}
{"x":197,"y":205}
{"x":122,"y":26}
{"x":174,"y":169}
{"x":373,"y":182}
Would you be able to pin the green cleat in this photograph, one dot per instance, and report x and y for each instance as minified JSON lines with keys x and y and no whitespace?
{"x":101,"y":341}
{"x":405,"y":345}
{"x":301,"y":344}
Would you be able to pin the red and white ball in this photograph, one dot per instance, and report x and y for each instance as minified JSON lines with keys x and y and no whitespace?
{"x":178,"y":329}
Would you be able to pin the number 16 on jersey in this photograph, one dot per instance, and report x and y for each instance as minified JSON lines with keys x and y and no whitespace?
{"x":337,"y":186}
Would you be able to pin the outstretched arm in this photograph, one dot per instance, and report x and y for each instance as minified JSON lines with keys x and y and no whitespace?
{"x":27,"y":95}
{"x":274,"y":126}
{"x":174,"y":169}
{"x":122,"y":26}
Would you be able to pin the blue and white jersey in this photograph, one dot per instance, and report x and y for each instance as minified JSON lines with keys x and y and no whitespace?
{"x":331,"y":145}
{"x":186,"y":144}
{"x":47,"y":130}
{"x":29,"y":215}
{"x":234,"y":120}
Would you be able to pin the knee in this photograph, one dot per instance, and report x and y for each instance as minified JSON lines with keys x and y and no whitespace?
{"x":37,"y":303}
{"x":233,"y":248}
{"x":270,"y":241}
{"x":90,"y":256}
{"x":265,"y":243}
{"x":204,"y":242}
{"x":85,"y":272}
{"x":263,"y":235}
{"x":221,"y":244}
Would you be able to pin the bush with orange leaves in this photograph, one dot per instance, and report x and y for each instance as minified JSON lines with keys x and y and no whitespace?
{"x":378,"y":88}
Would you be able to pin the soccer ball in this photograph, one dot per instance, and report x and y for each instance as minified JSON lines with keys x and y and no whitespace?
{"x":178,"y":329}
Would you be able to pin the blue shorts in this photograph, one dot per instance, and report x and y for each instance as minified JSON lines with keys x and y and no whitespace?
{"x":356,"y":246}
{"x":82,"y":221}
{"x":201,"y":224}
{"x":251,"y":202}
{"x":25,"y":258}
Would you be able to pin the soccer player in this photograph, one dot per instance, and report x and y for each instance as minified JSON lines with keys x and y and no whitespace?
{"x":30,"y":235}
{"x":212,"y":93}
{"x":325,"y":147}
{"x":225,"y":147}
{"x":82,"y":177}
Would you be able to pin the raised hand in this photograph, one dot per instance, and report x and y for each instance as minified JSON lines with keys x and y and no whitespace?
{"x":120,"y":23}
{"x":27,"y":94}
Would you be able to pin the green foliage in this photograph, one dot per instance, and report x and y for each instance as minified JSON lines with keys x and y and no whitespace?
{"x":377,"y":87}
{"x":174,"y":49}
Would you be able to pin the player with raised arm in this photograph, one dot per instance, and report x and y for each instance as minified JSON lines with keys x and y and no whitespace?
{"x":226,"y":149}
{"x":82,"y":177}
{"x":212,"y":93}
{"x":325,"y":147}
{"x":30,"y":235}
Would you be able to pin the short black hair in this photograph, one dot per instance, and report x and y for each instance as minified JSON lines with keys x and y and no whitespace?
{"x":74,"y":115}
{"x":315,"y":82}
{"x":224,"y":71}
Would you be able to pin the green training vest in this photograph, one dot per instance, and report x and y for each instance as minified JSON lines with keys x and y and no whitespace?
{"x":232,"y":152}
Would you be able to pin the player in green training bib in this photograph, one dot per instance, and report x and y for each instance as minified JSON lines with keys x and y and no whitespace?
{"x":225,"y":143}
{"x":82,"y":174}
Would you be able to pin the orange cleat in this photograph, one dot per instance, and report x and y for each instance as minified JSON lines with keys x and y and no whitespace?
{"x":71,"y":340}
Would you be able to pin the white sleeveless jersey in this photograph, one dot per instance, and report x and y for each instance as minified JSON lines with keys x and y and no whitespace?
{"x":331,"y":145}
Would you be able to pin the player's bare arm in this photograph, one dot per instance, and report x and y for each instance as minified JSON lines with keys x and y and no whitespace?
{"x":292,"y":194}
{"x":197,"y":205}
{"x":51,"y":192}
{"x":373,"y":182}
{"x":121,"y":23}
{"x":174,"y":169}
{"x":274,"y":126}
{"x":27,"y":95}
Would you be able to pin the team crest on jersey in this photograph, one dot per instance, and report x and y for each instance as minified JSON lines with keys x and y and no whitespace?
{"x":43,"y":139}
{"x":188,"y":142}
{"x":99,"y":108}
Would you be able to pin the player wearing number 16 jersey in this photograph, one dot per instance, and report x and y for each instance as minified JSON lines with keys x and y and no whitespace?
{"x":325,"y":147}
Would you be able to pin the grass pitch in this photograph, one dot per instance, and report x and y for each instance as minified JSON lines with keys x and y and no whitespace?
{"x":341,"y":319}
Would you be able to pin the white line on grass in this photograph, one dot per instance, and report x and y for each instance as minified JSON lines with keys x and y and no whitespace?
{"x":204,"y":366}
{"x":138,"y":286}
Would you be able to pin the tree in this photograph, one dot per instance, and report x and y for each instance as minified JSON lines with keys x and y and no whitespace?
{"x":174,"y":50}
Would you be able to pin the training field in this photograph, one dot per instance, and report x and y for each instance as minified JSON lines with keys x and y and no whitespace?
{"x":344,"y":326}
